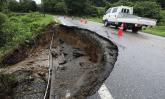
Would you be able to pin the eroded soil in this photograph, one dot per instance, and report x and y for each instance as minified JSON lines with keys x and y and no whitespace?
{"x":81,"y":61}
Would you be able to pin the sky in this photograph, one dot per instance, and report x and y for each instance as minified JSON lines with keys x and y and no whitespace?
{"x":37,"y":1}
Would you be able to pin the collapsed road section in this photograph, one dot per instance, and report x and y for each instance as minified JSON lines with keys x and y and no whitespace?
{"x":80,"y":61}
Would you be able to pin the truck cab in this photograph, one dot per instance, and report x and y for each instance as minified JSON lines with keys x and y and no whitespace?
{"x":116,"y":11}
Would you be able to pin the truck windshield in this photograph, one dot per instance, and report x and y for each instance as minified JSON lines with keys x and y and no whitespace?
{"x":108,"y":11}
{"x":114,"y":10}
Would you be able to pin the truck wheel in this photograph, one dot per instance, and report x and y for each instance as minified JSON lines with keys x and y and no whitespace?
{"x":125,"y":29}
{"x":116,"y":27}
{"x":106,"y":23}
{"x":135,"y":29}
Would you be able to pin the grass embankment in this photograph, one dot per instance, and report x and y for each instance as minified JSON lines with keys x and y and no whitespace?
{"x":21,"y":27}
{"x":95,"y":19}
{"x":158,"y":30}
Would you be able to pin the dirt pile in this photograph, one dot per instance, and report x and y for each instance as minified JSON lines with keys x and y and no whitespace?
{"x":82,"y":61}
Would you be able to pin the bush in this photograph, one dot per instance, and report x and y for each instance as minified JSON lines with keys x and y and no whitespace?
{"x":108,"y":5}
{"x":94,"y":11}
{"x":122,"y":2}
{"x":14,"y":6}
{"x":31,"y":17}
{"x":3,"y":36}
{"x":162,"y":17}
{"x":60,"y":8}
{"x":17,"y":28}
{"x":91,"y":10}
{"x":147,"y":9}
{"x":3,"y":19}
{"x":100,"y":11}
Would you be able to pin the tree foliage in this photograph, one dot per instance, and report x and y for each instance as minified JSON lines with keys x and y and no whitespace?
{"x":77,"y":6}
{"x":162,"y":3}
{"x":147,"y":9}
{"x":22,"y":6}
{"x":14,"y":6}
{"x":100,"y":3}
{"x":27,"y":5}
{"x":3,"y":19}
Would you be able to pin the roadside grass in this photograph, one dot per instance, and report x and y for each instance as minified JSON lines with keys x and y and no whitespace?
{"x":158,"y":30}
{"x":21,"y":27}
{"x":94,"y":19}
{"x":57,"y":20}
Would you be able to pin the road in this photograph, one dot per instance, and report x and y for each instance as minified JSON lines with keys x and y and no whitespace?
{"x":139,"y":72}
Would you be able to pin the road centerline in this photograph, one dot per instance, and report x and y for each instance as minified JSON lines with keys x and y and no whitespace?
{"x":104,"y":92}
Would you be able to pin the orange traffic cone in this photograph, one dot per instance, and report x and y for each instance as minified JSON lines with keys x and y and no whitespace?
{"x":120,"y":31}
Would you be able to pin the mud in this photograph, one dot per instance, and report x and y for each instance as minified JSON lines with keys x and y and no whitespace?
{"x":82,"y":61}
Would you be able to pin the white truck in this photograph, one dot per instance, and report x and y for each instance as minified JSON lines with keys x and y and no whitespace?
{"x":123,"y":14}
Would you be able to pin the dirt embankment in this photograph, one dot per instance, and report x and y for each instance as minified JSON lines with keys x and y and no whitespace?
{"x":82,"y":61}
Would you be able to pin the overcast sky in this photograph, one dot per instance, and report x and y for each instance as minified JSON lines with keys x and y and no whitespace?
{"x":37,"y":1}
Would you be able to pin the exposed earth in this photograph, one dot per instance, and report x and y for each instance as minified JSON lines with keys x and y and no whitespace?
{"x":81,"y":61}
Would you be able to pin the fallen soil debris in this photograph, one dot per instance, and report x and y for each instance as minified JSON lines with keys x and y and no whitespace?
{"x":81,"y":60}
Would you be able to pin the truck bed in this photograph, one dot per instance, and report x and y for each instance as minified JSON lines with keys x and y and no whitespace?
{"x":127,"y":18}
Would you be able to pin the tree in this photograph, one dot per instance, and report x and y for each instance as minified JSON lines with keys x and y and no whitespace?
{"x":147,"y":9}
{"x":112,"y":1}
{"x":3,"y":4}
{"x":162,"y":18}
{"x":77,"y":7}
{"x":14,"y":6}
{"x":27,"y":5}
{"x":123,"y":2}
{"x":162,"y":3}
{"x":33,"y":6}
{"x":60,"y":8}
{"x":48,"y":5}
{"x":100,"y":3}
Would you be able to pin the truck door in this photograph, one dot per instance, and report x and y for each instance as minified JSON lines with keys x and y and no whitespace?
{"x":107,"y":15}
{"x":113,"y":15}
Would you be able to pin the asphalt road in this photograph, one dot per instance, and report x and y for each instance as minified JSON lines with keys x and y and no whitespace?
{"x":139,"y":72}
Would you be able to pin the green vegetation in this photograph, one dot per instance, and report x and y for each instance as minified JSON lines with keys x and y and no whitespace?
{"x":7,"y":83}
{"x":23,"y":6}
{"x":20,"y":27}
{"x":158,"y":30}
{"x":95,"y":19}
{"x":7,"y":80}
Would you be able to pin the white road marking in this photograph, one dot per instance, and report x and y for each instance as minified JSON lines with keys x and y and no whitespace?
{"x":67,"y":94}
{"x":104,"y":92}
